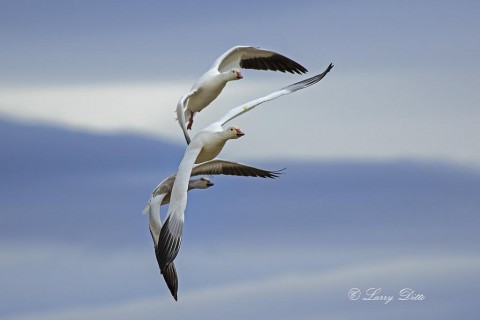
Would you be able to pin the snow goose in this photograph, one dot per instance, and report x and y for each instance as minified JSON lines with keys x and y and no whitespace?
{"x":161,"y":196}
{"x":227,"y":68}
{"x":206,"y":145}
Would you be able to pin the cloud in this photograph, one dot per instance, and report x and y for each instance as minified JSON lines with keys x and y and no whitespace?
{"x":374,"y":121}
{"x":141,"y":108}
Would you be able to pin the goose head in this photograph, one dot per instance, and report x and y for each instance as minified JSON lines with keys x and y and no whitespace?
{"x":202,"y":183}
{"x":233,"y":132}
{"x":234,"y":74}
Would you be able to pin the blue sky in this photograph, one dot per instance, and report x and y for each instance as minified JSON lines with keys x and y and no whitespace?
{"x":74,"y":244}
{"x":381,"y":187}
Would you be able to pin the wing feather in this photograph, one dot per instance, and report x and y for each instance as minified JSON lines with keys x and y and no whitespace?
{"x":248,"y":57}
{"x":169,"y":241}
{"x":171,"y":279}
{"x":171,"y":233}
{"x":235,"y":112}
{"x":154,"y":221}
{"x":219,"y":167}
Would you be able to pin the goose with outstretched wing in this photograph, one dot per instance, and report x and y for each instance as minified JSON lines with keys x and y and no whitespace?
{"x":161,"y":196}
{"x":227,"y":68}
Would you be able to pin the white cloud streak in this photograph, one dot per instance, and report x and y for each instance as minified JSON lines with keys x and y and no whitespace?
{"x":359,"y":116}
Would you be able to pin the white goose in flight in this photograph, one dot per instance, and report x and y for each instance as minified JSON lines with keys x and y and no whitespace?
{"x":161,"y":196}
{"x":205,"y":146}
{"x":227,"y":68}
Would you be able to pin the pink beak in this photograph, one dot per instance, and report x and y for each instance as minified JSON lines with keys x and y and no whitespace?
{"x":239,"y":133}
{"x":239,"y":75}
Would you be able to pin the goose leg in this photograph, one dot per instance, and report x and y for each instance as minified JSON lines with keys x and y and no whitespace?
{"x":190,"y":122}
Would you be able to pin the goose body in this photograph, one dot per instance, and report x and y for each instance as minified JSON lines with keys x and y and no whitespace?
{"x":227,"y":68}
{"x":161,"y":196}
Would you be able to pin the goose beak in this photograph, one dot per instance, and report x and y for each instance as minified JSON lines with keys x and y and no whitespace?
{"x":210,"y":184}
{"x":239,"y":133}
{"x":239,"y":75}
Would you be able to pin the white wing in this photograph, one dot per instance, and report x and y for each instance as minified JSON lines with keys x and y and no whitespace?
{"x":235,"y":112}
{"x":154,"y":221}
{"x":171,"y":232}
{"x":247,"y":57}
{"x":181,"y":106}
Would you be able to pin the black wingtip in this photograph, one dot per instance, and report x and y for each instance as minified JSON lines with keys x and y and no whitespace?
{"x":324,"y":73}
{"x":170,"y":275}
{"x":308,"y":82}
{"x":330,"y":66}
{"x":275,"y":174}
{"x":301,"y":69}
{"x":275,"y":62}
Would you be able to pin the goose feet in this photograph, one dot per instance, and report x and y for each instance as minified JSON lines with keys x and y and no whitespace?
{"x":190,"y":122}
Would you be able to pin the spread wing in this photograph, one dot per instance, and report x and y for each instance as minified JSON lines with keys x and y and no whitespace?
{"x":247,"y":57}
{"x":171,"y":232}
{"x":235,"y":112}
{"x":218,"y":166}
